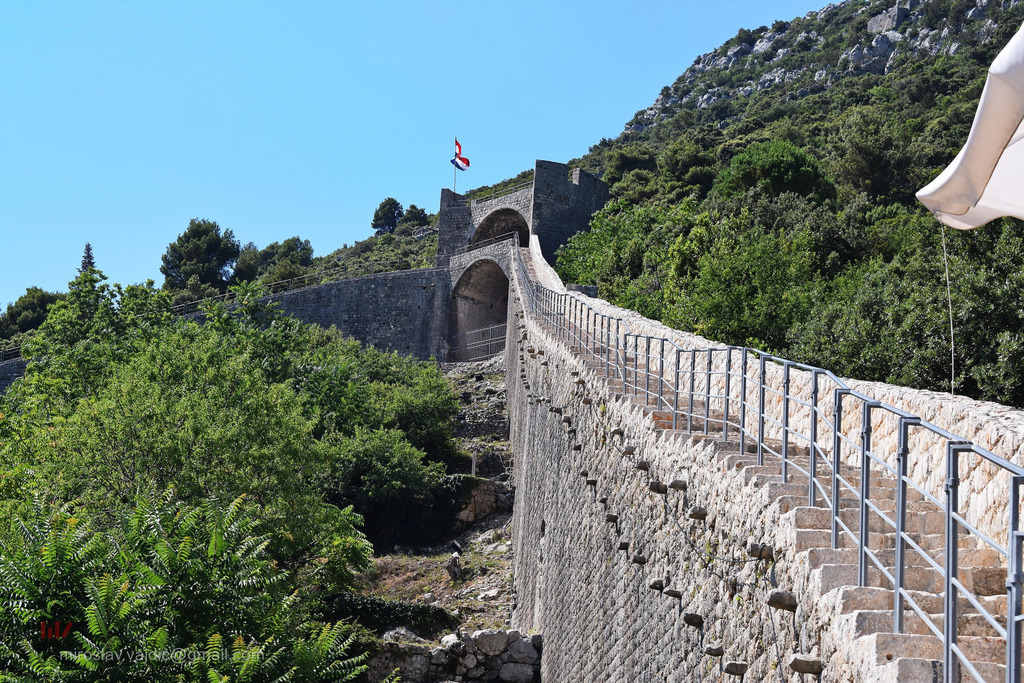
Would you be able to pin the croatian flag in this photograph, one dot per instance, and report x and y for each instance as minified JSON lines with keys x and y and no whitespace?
{"x":460,"y":162}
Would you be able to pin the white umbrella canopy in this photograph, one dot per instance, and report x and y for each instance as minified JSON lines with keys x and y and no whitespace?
{"x":986,"y":179}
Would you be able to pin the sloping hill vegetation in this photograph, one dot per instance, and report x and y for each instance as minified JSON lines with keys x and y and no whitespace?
{"x":176,"y":486}
{"x":766,"y":199}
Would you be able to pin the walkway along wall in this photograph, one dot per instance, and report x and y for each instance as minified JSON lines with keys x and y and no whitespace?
{"x":651,"y":553}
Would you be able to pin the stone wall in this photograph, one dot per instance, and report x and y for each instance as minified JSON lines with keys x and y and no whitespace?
{"x":490,"y":655}
{"x":487,"y":498}
{"x":10,"y":371}
{"x":558,"y":206}
{"x":649,"y":554}
{"x":609,"y":570}
{"x":997,"y":428}
{"x":404,"y":311}
{"x":563,"y":207}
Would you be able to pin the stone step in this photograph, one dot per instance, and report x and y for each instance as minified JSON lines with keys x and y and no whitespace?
{"x":889,"y":647}
{"x":975,"y":558}
{"x":829,"y":577}
{"x":918,"y":670}
{"x":867,"y":622}
{"x":926,"y":522}
{"x":877,"y":598}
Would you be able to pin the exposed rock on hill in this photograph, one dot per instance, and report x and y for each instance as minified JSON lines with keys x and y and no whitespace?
{"x":812,"y":53}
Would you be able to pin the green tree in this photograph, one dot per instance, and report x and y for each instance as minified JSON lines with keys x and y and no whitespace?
{"x":87,"y":259}
{"x":202,"y":251}
{"x":415,"y":217}
{"x":387,"y":215}
{"x":275,"y":262}
{"x":28,"y":312}
{"x":778,"y":167}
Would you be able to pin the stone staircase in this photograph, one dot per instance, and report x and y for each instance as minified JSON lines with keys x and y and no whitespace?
{"x":863,"y":616}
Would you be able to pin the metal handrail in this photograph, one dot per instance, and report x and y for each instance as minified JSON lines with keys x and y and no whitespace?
{"x":730,"y":387}
{"x":12,"y":353}
{"x":491,"y":342}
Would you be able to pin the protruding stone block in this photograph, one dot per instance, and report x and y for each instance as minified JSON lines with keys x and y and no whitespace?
{"x":644,"y":466}
{"x":623,"y":545}
{"x":698,"y":513}
{"x":783,"y":600}
{"x":629,"y":449}
{"x":611,"y":518}
{"x":577,"y":447}
{"x":591,"y":482}
{"x":618,"y":431}
{"x":694,"y":620}
{"x":584,"y":473}
{"x":656,"y":585}
{"x":639,"y":559}
{"x":587,"y":401}
{"x":658,"y":487}
{"x":735,"y":668}
{"x":555,"y":409}
{"x":805,"y":664}
{"x":673,"y":593}
{"x":678,"y":485}
{"x":715,"y":650}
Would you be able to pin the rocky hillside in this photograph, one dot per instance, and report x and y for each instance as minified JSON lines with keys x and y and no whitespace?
{"x":811,"y":54}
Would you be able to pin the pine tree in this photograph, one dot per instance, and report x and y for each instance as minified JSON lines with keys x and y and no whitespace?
{"x":87,"y":260}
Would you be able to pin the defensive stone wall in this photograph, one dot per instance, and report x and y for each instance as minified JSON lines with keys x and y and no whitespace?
{"x":562,"y":205}
{"x":655,"y":554}
{"x":997,"y":428}
{"x":10,"y":371}
{"x":622,"y":583}
{"x":405,"y":311}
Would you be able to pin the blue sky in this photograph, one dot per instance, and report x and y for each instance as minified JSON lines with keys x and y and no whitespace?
{"x":120,"y":121}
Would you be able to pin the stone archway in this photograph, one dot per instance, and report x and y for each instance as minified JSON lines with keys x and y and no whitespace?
{"x":502,"y":222}
{"x":478,"y":312}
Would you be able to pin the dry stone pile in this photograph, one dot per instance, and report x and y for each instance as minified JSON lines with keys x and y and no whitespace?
{"x":487,"y":655}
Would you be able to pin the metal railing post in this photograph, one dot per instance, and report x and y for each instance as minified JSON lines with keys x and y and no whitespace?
{"x":675,"y":391}
{"x":950,"y":606}
{"x":707,"y":392}
{"x":760,"y":416}
{"x":725,"y":413}
{"x":1014,"y":584}
{"x":607,"y":345}
{"x":743,"y":403}
{"x":785,"y":421}
{"x":636,"y":362}
{"x":837,"y":449}
{"x":586,"y":326}
{"x":693,"y":374}
{"x":902,"y":451}
{"x":647,"y":369}
{"x":661,"y":373}
{"x":865,"y":492}
{"x":812,"y":495}
{"x":620,"y":348}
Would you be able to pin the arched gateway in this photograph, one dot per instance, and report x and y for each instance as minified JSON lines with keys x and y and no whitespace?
{"x":478,"y":312}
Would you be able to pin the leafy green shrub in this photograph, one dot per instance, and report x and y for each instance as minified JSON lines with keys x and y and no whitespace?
{"x":379,"y":615}
{"x":174,"y":593}
{"x":778,"y":167}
